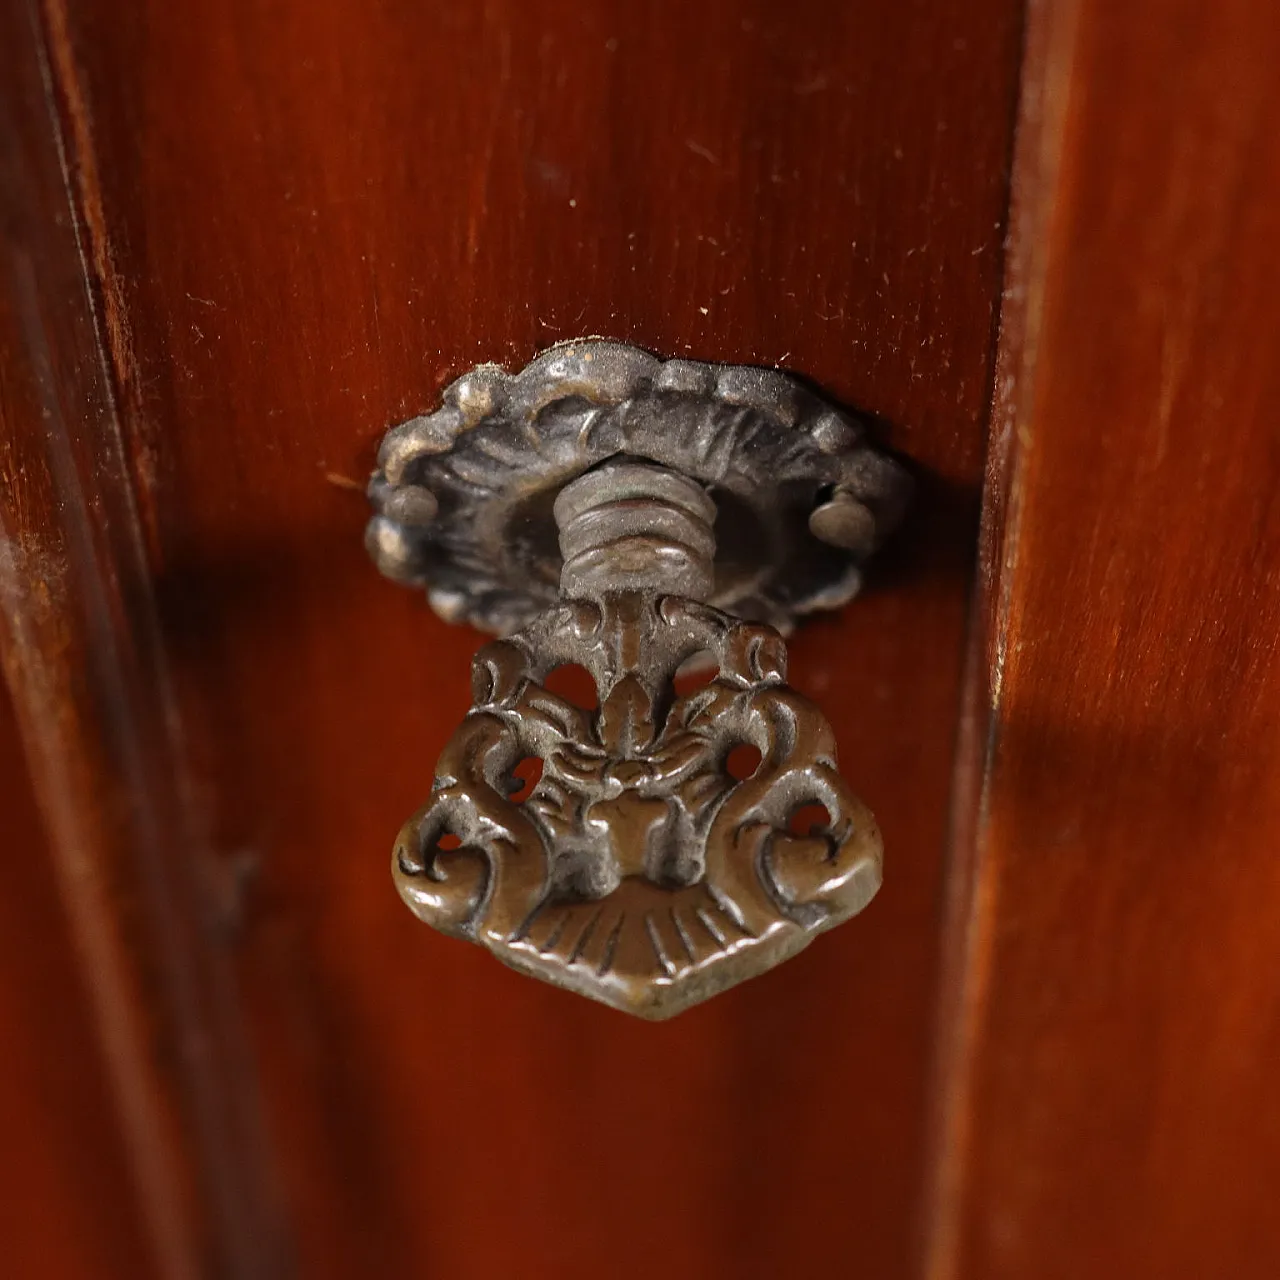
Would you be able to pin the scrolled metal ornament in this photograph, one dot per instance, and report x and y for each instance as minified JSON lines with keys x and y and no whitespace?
{"x":579,"y":510}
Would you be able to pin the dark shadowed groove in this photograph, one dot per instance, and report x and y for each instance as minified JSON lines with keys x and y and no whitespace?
{"x":1048,"y":42}
{"x":84,"y":659}
{"x":658,"y":949}
{"x":584,"y":938}
{"x":610,"y":946}
{"x":711,"y":927}
{"x":685,"y":940}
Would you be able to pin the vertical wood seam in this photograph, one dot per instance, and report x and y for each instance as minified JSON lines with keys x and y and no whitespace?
{"x":86,"y":899}
{"x":219,"y":1104}
{"x":970,"y":907}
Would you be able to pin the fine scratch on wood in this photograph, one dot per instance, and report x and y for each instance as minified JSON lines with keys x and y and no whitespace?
{"x":705,"y":153}
{"x":483,"y":168}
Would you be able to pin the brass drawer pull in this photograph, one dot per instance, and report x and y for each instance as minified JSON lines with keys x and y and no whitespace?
{"x":605,"y":510}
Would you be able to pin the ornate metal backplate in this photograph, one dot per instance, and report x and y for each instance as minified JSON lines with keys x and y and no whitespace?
{"x":464,"y":495}
{"x":639,"y":870}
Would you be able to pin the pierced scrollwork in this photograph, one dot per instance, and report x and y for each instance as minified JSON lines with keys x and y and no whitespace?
{"x":639,"y":871}
{"x":605,"y":509}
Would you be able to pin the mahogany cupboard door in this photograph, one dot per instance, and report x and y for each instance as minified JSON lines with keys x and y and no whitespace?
{"x":251,"y":238}
{"x":241,"y":240}
{"x":65,"y":1204}
{"x":1112,"y":1025}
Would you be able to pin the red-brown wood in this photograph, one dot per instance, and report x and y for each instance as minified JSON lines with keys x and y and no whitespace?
{"x":67,"y":1211}
{"x":300,"y":221}
{"x":83,"y":659}
{"x":1111,"y":1085}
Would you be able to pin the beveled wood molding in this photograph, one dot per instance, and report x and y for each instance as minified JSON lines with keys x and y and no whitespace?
{"x":85,"y":666}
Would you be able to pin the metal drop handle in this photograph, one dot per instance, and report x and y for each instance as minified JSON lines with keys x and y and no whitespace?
{"x":610,"y":511}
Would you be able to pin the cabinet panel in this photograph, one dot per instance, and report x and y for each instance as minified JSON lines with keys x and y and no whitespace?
{"x":301,"y":221}
{"x":68,"y":1207}
{"x":1113,"y":1109}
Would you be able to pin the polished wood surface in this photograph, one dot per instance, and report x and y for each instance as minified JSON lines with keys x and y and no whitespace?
{"x":66,"y":1208}
{"x":300,"y":221}
{"x":83,"y":660}
{"x":240,"y":240}
{"x":1111,"y":1076}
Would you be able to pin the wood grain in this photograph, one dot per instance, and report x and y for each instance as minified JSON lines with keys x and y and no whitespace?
{"x":81,"y":654}
{"x":1113,"y":1108}
{"x":67,"y":1208}
{"x":302,"y":221}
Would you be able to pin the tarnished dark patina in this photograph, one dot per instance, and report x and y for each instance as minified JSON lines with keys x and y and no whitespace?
{"x":605,"y":509}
